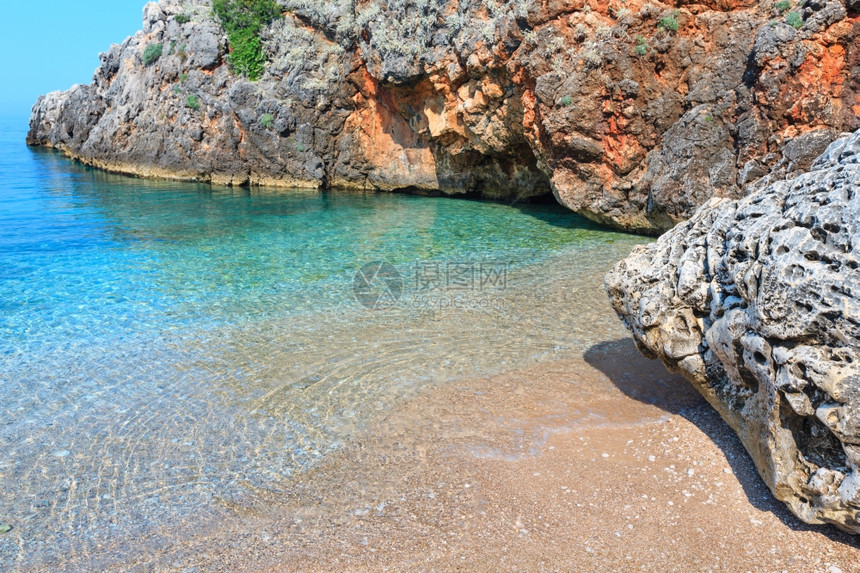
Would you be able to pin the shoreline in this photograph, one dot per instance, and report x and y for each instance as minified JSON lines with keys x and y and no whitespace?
{"x":645,"y":476}
{"x":252,"y":181}
{"x":540,"y":468}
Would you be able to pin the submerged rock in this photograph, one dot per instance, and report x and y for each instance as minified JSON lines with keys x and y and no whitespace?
{"x":632,"y":113}
{"x":757,"y":303}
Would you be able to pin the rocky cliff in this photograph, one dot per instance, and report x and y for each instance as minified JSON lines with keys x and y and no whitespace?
{"x":632,"y":113}
{"x":757,"y":303}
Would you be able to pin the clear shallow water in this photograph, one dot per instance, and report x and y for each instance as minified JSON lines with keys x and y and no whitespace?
{"x":172,"y":349}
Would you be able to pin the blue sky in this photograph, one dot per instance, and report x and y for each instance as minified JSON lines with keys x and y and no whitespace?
{"x":52,"y":45}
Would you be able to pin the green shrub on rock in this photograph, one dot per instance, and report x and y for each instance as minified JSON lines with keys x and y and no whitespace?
{"x":152,"y":53}
{"x":267,"y":120}
{"x":669,"y":23}
{"x":244,"y":20}
{"x":794,"y":19}
{"x":782,"y":6}
{"x":192,"y":102}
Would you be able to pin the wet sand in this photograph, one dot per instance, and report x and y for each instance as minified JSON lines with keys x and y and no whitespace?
{"x":604,"y":464}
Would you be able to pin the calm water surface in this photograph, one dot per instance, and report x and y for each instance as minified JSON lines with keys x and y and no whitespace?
{"x":167,"y":349}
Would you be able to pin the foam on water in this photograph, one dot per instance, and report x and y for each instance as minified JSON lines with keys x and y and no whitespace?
{"x":170,"y":349}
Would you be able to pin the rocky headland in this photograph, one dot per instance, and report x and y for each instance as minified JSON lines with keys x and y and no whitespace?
{"x":755,"y":302}
{"x":632,"y":113}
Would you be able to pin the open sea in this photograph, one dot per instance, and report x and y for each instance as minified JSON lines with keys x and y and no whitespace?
{"x":173,"y":349}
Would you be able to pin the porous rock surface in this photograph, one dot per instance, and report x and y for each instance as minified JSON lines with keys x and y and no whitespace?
{"x":757,"y":303}
{"x":631,"y":112}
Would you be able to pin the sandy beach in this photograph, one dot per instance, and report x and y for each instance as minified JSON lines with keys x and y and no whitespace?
{"x":605,"y":464}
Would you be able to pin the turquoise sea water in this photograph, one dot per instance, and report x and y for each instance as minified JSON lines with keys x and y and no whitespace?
{"x":100,"y":257}
{"x":165,"y":346}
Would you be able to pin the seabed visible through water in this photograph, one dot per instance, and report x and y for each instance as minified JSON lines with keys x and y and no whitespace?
{"x":171,"y":350}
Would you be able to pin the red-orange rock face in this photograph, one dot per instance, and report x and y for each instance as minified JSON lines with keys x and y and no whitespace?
{"x":632,"y":113}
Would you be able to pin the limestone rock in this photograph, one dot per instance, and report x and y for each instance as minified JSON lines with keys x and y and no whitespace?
{"x":624,"y":121}
{"x":757,"y":302}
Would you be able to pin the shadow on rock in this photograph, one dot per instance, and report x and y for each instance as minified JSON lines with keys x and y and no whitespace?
{"x":649,"y":382}
{"x":551,"y":212}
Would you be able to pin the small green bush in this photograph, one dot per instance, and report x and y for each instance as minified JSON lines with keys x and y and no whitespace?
{"x":192,"y":101}
{"x":247,"y":56}
{"x":794,"y":19}
{"x":183,"y":77}
{"x":152,"y":53}
{"x":669,"y":23}
{"x":566,"y":101}
{"x":641,"y":46}
{"x":244,"y":20}
{"x":267,"y":121}
{"x":183,"y":18}
{"x":782,"y":5}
